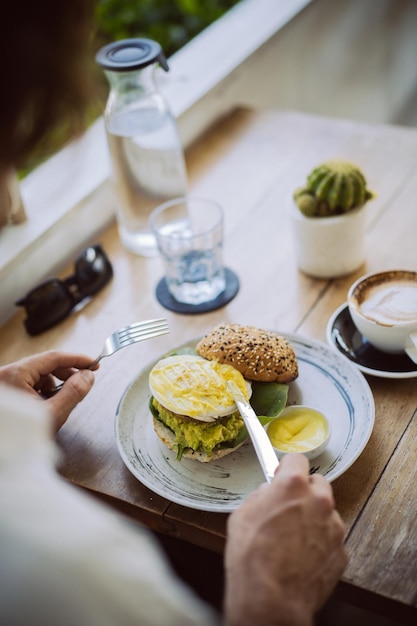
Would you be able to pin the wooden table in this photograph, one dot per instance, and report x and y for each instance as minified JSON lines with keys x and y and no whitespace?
{"x":250,"y":162}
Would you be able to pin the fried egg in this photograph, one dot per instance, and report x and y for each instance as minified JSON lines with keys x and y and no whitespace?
{"x":191,"y":385}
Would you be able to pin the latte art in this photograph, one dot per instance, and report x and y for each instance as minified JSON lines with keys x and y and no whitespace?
{"x":390,"y":302}
{"x":383,"y":307}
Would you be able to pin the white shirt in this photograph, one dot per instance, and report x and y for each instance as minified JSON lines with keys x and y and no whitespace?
{"x":66,"y":560}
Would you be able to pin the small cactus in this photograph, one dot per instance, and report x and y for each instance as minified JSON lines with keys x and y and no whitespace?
{"x":332,"y":188}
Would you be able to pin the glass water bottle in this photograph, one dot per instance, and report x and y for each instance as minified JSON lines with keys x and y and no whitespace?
{"x":146,"y":152}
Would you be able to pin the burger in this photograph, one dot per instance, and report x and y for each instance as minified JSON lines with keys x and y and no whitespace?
{"x":193,"y":412}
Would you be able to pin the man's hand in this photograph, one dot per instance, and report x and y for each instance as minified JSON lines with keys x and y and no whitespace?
{"x":285,"y":551}
{"x":36,"y":375}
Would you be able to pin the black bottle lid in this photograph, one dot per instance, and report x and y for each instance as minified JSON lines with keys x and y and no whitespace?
{"x":127,"y":55}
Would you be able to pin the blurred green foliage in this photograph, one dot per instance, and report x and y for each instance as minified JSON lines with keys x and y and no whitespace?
{"x":172,"y":23}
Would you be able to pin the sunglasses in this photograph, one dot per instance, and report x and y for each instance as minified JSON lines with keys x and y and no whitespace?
{"x":53,"y":300}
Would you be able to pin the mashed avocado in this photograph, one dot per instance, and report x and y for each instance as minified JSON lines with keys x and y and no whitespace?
{"x":201,"y":435}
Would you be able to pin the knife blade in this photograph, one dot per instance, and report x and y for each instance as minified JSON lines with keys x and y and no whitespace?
{"x":264,"y":451}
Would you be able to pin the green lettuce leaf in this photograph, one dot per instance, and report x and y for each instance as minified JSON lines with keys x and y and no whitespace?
{"x":268,"y":400}
{"x":242,"y":436}
{"x":152,"y":408}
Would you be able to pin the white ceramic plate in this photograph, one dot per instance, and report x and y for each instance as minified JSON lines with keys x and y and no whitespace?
{"x":327,"y":381}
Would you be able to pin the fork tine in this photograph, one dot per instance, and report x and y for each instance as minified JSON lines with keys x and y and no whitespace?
{"x":149,"y":324}
{"x":133,"y":332}
{"x":143,"y":334}
{"x":146,"y":322}
{"x":161,"y":324}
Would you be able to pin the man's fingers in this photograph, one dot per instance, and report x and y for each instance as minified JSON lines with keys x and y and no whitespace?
{"x":293,"y":463}
{"x":322,"y":487}
{"x":74,"y":390}
{"x":55,"y":361}
{"x":292,"y":473}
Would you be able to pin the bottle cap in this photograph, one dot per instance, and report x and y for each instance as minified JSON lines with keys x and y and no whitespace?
{"x":131,"y":54}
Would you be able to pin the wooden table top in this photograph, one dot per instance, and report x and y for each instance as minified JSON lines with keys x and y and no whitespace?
{"x":250,"y":162}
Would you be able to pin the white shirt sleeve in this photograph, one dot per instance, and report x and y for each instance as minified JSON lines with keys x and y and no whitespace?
{"x":66,"y":560}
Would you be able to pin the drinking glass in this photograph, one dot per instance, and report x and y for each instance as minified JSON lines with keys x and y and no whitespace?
{"x":189,"y":235}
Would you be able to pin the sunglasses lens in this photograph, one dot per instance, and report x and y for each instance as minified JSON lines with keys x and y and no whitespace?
{"x":46,"y":305}
{"x":93,"y":270}
{"x":51,"y":301}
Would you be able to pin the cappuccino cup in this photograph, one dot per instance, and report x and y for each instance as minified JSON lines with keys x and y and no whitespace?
{"x":383,"y":307}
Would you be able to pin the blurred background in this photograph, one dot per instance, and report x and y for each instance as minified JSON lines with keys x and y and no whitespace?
{"x":344,"y":58}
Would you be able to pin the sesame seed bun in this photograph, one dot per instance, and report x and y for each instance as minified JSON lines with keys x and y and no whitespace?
{"x":258,"y":354}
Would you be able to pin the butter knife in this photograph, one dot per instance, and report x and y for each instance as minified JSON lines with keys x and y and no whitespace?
{"x":260,"y":440}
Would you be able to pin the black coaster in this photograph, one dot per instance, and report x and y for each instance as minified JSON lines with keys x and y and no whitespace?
{"x":168,"y":301}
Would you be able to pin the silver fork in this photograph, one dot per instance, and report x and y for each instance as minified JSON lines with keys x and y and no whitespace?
{"x":125,"y":337}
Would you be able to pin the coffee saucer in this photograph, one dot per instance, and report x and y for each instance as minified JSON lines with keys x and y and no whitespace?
{"x":343,"y":335}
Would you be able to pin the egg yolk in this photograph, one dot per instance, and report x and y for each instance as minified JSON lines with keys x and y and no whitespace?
{"x":301,"y":430}
{"x":190,"y":385}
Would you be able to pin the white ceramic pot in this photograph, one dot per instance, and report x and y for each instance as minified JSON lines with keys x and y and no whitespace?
{"x":328,"y":247}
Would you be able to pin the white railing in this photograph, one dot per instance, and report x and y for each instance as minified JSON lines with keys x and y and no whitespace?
{"x":347,"y":58}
